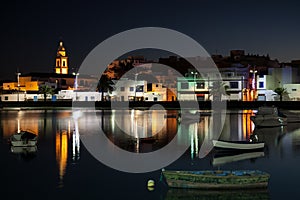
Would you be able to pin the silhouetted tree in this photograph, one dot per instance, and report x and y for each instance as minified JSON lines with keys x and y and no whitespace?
{"x":45,"y":90}
{"x":104,"y":85}
{"x":218,"y":89}
{"x":280,"y":91}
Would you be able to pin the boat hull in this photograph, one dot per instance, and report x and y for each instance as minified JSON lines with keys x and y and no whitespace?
{"x":271,"y":121}
{"x":213,"y":180}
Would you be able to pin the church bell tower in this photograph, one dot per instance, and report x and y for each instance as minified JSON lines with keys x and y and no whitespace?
{"x":61,"y":61}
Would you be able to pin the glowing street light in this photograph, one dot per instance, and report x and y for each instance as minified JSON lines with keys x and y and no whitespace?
{"x":194,"y":75}
{"x":76,"y":83}
{"x":18,"y":79}
{"x":253,"y":78}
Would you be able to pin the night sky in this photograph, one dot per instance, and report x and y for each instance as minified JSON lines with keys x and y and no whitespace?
{"x":31,"y":30}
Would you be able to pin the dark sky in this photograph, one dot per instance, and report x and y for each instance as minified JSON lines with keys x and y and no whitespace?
{"x":31,"y":30}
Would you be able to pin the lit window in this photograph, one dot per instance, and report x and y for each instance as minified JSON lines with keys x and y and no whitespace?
{"x":261,"y":84}
{"x":139,"y":88}
{"x":200,"y":85}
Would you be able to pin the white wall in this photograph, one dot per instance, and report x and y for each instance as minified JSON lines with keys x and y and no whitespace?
{"x":293,"y":91}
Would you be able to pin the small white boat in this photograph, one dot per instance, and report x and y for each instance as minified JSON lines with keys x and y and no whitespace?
{"x":237,"y":145}
{"x":268,"y":116}
{"x":23,"y":139}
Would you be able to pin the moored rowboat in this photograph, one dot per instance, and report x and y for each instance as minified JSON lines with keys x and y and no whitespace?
{"x":236,"y":179}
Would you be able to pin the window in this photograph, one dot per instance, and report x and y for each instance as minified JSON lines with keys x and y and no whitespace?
{"x":139,"y":88}
{"x":64,"y":63}
{"x":200,"y":85}
{"x":261,"y":76}
{"x":6,"y":98}
{"x":234,"y":85}
{"x":184,"y":85}
{"x":131,"y":89}
{"x":92,"y":98}
{"x":122,"y":89}
{"x":156,"y":85}
{"x":294,"y":90}
{"x":260,"y":84}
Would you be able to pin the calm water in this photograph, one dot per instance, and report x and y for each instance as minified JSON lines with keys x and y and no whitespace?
{"x":63,"y":168}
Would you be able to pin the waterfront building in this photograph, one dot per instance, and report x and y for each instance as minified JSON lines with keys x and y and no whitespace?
{"x":28,"y":85}
{"x":196,"y":87}
{"x":286,"y":77}
{"x":128,"y":90}
{"x":79,"y":95}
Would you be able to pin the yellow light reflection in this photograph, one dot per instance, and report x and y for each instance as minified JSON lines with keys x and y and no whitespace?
{"x":61,"y":149}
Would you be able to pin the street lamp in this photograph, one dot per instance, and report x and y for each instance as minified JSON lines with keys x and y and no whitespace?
{"x":135,"y":80}
{"x":253,"y":78}
{"x":194,"y":75}
{"x":253,"y":83}
{"x":75,"y":82}
{"x":18,"y":79}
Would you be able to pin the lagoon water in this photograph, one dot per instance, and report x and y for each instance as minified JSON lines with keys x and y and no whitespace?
{"x":63,"y":168}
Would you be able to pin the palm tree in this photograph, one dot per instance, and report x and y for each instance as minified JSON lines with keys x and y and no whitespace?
{"x":45,"y":90}
{"x":104,"y":85}
{"x":218,"y":89}
{"x":280,"y":91}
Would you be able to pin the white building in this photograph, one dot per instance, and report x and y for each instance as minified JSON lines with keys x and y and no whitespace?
{"x":285,"y":77}
{"x":128,"y":90}
{"x":138,"y":90}
{"x":194,"y":87}
{"x":293,"y":91}
{"x":78,"y":95}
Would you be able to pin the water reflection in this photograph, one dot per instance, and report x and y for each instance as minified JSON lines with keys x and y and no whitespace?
{"x":145,"y":131}
{"x":24,"y":153}
{"x":216,"y":194}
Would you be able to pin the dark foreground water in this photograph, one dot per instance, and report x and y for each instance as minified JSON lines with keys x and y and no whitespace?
{"x":62,"y":168}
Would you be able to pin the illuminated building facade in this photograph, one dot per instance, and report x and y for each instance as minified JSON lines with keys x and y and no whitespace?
{"x":61,"y":61}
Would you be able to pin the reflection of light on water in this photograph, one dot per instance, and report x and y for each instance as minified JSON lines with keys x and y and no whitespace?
{"x":61,"y":149}
{"x":76,"y":142}
{"x":247,"y":124}
{"x":193,"y":131}
{"x":19,"y":127}
{"x":139,"y":123}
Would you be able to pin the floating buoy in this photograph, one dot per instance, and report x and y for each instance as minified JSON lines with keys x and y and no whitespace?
{"x":150,"y":185}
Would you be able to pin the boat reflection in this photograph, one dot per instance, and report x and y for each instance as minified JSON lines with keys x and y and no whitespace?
{"x":228,"y":158}
{"x":191,"y":194}
{"x":24,"y":153}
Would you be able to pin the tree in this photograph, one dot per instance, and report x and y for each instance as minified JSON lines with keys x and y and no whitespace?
{"x":280,"y":91}
{"x":104,"y":85}
{"x":218,"y":89}
{"x":45,"y":90}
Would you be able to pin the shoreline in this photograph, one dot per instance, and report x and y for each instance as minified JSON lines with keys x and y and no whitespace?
{"x":170,"y":105}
